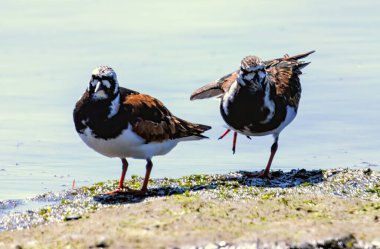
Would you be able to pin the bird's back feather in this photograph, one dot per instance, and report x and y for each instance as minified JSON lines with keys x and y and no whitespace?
{"x":151,"y":120}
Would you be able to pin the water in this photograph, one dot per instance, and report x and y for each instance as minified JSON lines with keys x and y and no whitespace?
{"x":168,"y":49}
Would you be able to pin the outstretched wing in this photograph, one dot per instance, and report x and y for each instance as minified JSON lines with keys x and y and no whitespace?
{"x":284,"y":74}
{"x":151,"y":120}
{"x":215,"y":88}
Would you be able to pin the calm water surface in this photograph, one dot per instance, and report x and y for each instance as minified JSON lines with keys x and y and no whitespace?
{"x":167,"y":49}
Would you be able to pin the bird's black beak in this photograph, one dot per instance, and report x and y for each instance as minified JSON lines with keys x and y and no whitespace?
{"x":99,"y":87}
{"x":99,"y":92}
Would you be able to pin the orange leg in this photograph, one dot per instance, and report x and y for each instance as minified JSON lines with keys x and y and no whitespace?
{"x":234,"y":143}
{"x":224,"y":134}
{"x":120,"y":186}
{"x":144,"y":188}
{"x":149,"y":166}
{"x":123,"y":172}
{"x":273,"y":150}
{"x":266,"y":172}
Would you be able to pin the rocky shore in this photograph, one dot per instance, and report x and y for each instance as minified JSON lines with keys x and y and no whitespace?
{"x":336,"y":208}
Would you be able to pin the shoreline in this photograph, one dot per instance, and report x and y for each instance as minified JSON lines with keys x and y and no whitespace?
{"x":293,"y":209}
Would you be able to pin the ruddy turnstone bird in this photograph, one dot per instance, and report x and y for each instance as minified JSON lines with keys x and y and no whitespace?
{"x":118,"y":122}
{"x":261,"y":98}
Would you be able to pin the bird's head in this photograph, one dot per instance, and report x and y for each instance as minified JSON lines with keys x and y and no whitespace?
{"x":103,"y":84}
{"x":252,"y":70}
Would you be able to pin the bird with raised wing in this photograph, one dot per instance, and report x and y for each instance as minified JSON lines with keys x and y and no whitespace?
{"x":260,"y":98}
{"x":122,"y":123}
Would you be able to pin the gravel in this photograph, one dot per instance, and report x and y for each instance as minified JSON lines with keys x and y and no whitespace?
{"x":76,"y":204}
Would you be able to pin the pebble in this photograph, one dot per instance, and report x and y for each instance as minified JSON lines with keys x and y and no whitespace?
{"x":211,"y":246}
{"x":222,"y":243}
{"x":103,"y":242}
{"x":73,"y":217}
{"x":376,"y":242}
{"x":344,"y":242}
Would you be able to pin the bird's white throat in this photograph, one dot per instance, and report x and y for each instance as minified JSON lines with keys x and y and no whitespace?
{"x":99,"y":95}
{"x":114,"y":106}
{"x":269,"y":104}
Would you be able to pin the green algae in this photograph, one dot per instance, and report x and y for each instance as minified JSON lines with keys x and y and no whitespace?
{"x":374,"y":190}
{"x":228,"y":205}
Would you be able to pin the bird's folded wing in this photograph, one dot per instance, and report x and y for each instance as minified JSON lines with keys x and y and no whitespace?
{"x":151,"y":120}
{"x":284,"y":74}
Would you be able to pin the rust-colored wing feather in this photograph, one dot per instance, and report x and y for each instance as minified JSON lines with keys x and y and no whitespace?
{"x":151,"y":120}
{"x":284,"y":74}
{"x":215,"y":88}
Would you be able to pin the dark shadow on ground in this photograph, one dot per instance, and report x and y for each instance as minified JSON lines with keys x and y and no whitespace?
{"x":124,"y":198}
{"x":279,"y":179}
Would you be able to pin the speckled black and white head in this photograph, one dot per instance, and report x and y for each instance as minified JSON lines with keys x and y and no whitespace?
{"x":252,"y":70}
{"x":104,"y":88}
{"x":103,"y":84}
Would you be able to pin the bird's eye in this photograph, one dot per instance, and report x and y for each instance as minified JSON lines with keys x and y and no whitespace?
{"x":244,"y":69}
{"x":92,"y":84}
{"x":106,"y":83}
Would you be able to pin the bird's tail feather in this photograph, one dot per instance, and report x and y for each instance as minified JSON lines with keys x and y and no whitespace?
{"x":301,"y":56}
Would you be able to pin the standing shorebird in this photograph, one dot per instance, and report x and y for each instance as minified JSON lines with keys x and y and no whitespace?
{"x":261,"y":98}
{"x":118,"y":122}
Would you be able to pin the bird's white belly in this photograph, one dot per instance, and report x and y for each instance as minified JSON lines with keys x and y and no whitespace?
{"x":290,"y":115}
{"x":127,"y":144}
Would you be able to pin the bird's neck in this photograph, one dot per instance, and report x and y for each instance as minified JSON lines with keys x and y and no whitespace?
{"x":105,"y":109}
{"x":114,"y":106}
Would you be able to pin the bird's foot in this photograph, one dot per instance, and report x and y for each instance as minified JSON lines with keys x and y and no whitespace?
{"x":224,"y":134}
{"x":119,"y":190}
{"x":127,"y":191}
{"x":265,"y":175}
